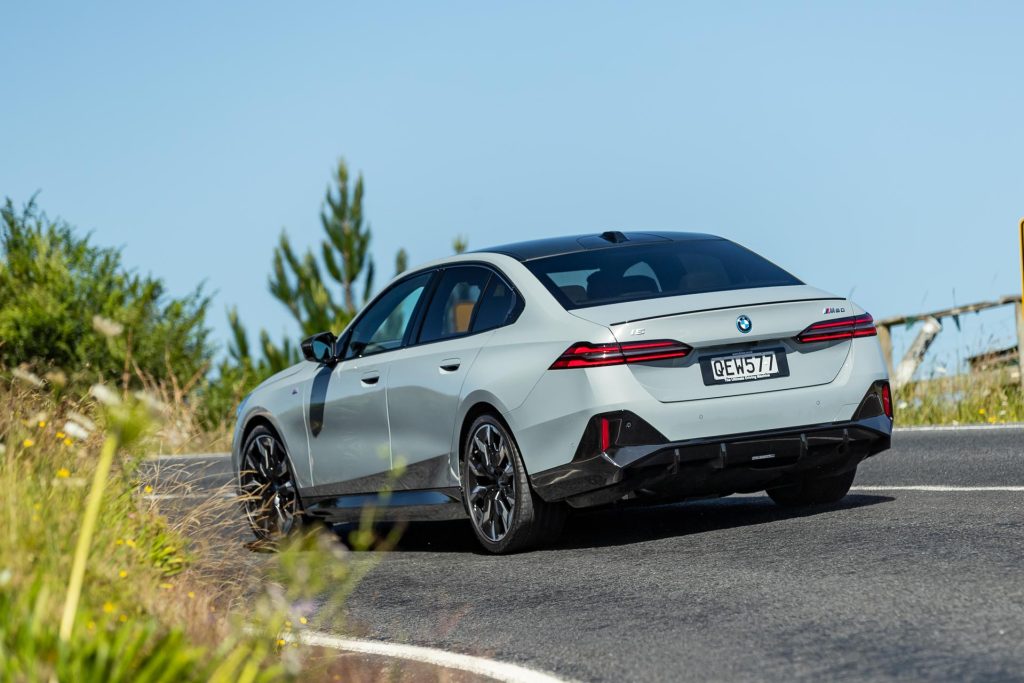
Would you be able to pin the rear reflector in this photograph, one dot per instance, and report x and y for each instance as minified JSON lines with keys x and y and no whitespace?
{"x":587,"y":355}
{"x":841,"y":328}
{"x":887,"y":400}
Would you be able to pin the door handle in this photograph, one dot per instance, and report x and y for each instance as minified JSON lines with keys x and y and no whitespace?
{"x":370,"y":378}
{"x":450,"y":364}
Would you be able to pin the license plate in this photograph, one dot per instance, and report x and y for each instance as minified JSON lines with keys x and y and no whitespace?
{"x":744,"y":366}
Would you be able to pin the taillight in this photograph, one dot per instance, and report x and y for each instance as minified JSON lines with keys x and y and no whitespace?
{"x":587,"y":355}
{"x":887,"y":400}
{"x":841,"y":328}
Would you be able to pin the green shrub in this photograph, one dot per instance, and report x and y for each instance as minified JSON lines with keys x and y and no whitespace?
{"x":56,"y":287}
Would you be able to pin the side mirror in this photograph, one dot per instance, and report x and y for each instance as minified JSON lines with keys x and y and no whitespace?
{"x":320,"y":347}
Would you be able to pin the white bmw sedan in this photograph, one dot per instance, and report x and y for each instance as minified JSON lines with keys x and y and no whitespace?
{"x":513,"y":384}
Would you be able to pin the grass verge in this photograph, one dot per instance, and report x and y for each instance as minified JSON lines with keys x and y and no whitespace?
{"x":161,"y":598}
{"x":982,"y":398}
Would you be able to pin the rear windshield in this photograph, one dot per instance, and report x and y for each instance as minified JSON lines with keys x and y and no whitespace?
{"x":630,"y":273}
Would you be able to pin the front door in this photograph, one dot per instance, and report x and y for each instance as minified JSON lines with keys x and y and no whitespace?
{"x":349,"y":432}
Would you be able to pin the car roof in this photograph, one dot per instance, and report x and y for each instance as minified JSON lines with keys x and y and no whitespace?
{"x":612,"y":239}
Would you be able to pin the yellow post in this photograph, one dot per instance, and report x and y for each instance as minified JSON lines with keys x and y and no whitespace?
{"x":1019,"y":310}
{"x":1021,"y":234}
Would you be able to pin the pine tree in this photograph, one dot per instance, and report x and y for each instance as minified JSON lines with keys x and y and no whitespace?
{"x":320,"y":294}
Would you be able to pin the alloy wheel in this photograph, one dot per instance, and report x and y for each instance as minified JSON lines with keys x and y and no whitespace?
{"x":270,"y":499}
{"x":491,"y":481}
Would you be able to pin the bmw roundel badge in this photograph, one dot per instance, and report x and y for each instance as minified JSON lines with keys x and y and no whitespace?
{"x":743,"y":324}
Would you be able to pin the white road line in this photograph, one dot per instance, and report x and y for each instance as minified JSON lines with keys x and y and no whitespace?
{"x":499,"y":671}
{"x":959,"y":428}
{"x":174,"y":496}
{"x":939,"y":488}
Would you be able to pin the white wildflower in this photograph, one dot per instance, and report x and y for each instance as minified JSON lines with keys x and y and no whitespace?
{"x":104,"y":395}
{"x":26,"y":377}
{"x":75,"y":430}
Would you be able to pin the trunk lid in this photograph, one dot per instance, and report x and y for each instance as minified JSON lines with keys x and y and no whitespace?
{"x":708,"y":323}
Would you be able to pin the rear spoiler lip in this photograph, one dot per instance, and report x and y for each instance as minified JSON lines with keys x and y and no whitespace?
{"x":725,"y":308}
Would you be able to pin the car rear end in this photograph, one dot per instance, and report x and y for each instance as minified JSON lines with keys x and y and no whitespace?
{"x":710,"y":371}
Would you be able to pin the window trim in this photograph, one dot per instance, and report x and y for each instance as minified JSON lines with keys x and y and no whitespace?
{"x":512,"y":317}
{"x":411,"y":338}
{"x":428,"y":291}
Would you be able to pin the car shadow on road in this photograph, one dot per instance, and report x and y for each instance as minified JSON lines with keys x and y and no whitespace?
{"x":635,"y":524}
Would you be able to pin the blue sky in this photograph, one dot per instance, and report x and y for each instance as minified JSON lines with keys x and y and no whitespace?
{"x":876,"y":148}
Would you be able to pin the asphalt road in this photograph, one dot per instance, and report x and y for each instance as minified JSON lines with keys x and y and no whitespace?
{"x":889,"y":584}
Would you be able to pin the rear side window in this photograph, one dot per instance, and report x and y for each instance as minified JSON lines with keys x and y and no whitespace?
{"x":631,"y":273}
{"x":454,"y":303}
{"x":496,"y":306}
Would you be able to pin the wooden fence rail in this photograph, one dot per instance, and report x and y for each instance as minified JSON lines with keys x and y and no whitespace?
{"x":904,"y":371}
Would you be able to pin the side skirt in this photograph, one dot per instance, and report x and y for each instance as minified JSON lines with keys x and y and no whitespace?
{"x":422,"y":505}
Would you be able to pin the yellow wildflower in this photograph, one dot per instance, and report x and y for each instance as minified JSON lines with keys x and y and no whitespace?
{"x":303,"y":620}
{"x":167,"y":586}
{"x":122,"y":573}
{"x":129,"y":542}
{"x":42,"y":424}
{"x":280,"y":641}
{"x":981,"y":411}
{"x":28,"y":443}
{"x":108,"y":607}
{"x":191,"y":595}
{"x":63,"y":473}
{"x":119,"y":541}
{"x":147,"y":489}
{"x":122,"y":618}
{"x":68,"y":441}
{"x":60,"y":435}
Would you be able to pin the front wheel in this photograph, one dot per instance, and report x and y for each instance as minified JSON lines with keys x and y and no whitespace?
{"x":507,"y":516}
{"x":814,"y":490}
{"x":268,"y":487}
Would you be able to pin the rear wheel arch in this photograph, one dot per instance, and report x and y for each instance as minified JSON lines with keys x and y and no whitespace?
{"x":479,"y":408}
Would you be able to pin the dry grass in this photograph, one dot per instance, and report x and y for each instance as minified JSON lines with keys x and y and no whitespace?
{"x":981,"y":398}
{"x":171,"y":591}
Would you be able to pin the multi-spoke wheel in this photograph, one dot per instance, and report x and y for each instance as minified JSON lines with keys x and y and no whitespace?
{"x":491,"y":478}
{"x":267,"y":486}
{"x":505,"y":513}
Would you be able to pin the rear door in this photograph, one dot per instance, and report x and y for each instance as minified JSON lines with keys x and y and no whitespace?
{"x":425,"y":380}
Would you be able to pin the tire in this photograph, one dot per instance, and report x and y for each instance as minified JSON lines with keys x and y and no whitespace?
{"x":267,"y":486}
{"x":493,"y":478}
{"x":814,"y":490}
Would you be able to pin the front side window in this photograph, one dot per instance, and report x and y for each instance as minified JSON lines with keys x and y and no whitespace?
{"x":384,"y":324}
{"x":454,"y":303}
{"x":630,"y":273}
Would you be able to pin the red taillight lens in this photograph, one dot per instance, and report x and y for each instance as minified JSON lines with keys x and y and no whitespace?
{"x":587,"y":355}
{"x":606,"y":434}
{"x":841,"y":328}
{"x":887,"y":401}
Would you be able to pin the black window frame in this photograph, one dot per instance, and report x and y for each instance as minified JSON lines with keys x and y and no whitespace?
{"x":428,"y":291}
{"x":412,"y":332}
{"x":511,"y":318}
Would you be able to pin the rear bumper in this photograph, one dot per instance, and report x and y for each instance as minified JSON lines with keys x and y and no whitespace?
{"x":736,"y":463}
